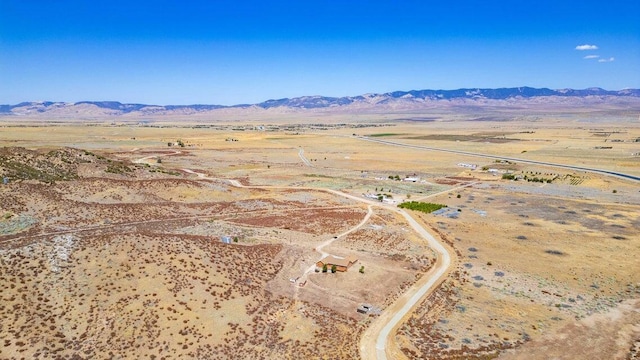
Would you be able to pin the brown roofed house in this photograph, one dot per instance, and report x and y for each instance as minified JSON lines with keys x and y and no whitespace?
{"x":342,"y":264}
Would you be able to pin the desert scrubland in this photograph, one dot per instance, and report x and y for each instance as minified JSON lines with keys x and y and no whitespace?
{"x":110,"y":235}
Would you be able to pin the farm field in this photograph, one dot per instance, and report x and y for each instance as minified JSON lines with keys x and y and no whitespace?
{"x":111,"y":237}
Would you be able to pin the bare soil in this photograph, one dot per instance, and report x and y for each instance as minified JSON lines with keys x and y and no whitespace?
{"x":108,"y":248}
{"x":132,"y":264}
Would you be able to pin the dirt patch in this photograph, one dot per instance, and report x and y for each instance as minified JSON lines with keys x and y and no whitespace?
{"x":313,"y":221}
{"x":509,"y":287}
{"x":135,"y":266}
{"x":501,"y":300}
{"x":611,"y":335}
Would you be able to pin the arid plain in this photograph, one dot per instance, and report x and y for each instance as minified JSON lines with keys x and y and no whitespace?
{"x":110,"y":236}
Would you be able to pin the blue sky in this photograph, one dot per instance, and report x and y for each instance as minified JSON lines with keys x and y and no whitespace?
{"x":216,"y":52}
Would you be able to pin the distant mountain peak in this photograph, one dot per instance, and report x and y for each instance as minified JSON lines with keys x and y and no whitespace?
{"x":400,"y":98}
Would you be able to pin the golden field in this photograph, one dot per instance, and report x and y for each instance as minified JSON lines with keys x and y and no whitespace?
{"x":119,"y":254}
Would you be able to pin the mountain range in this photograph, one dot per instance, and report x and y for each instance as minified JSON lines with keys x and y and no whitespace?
{"x":397,"y":100}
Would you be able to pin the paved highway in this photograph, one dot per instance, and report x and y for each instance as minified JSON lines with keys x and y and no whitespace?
{"x":526,"y":161}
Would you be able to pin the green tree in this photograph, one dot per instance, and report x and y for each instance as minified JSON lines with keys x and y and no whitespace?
{"x":333,"y":269}
{"x":324,"y":268}
{"x":361,"y":269}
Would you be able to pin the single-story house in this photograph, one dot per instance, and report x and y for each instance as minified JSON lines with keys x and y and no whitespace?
{"x":342,"y":264}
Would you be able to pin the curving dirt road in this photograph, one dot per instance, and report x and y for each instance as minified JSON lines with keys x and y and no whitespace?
{"x":303,"y":158}
{"x":157,"y":156}
{"x":375,"y":342}
{"x":335,"y":238}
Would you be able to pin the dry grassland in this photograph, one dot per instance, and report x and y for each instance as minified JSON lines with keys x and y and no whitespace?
{"x":125,"y":258}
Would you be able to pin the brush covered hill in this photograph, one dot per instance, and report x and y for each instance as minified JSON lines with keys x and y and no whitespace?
{"x":18,"y":163}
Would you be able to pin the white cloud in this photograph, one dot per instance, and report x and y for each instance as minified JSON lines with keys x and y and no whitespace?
{"x":586,"y":47}
{"x":591,"y":57}
{"x":607,"y":60}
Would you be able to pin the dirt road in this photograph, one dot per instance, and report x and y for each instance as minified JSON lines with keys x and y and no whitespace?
{"x":375,"y":342}
{"x":156,"y":156}
{"x":303,"y":158}
{"x":320,"y":247}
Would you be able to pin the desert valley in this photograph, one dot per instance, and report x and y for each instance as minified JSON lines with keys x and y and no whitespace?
{"x":409,"y":228}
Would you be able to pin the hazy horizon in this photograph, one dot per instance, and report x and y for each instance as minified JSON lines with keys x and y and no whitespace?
{"x":271,"y":99}
{"x":227,"y":54}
